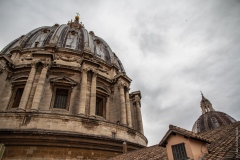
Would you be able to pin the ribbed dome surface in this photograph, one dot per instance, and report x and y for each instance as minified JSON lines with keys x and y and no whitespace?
{"x":70,"y":37}
{"x":211,"y":120}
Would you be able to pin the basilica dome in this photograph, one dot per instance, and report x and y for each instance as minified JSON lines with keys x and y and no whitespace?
{"x":65,"y":95}
{"x":210,"y":119}
{"x":66,"y":37}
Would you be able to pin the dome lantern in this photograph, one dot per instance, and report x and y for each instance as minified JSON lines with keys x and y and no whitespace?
{"x":210,"y":119}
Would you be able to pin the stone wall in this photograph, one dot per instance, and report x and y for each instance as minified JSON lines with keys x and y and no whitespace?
{"x":53,"y":153}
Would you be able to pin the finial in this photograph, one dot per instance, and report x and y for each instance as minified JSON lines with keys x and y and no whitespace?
{"x":201,"y":93}
{"x":77,"y":17}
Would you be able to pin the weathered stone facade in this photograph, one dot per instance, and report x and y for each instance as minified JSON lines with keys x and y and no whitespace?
{"x":65,"y":95}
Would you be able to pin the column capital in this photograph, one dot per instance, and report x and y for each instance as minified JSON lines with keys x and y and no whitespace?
{"x":120,"y":84}
{"x":33,"y":64}
{"x":95,"y":71}
{"x":84,"y":70}
{"x":46,"y":65}
{"x":127,"y":89}
{"x":137,"y":99}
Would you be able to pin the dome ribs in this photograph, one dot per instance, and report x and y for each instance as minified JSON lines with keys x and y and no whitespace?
{"x":30,"y":36}
{"x":63,"y":37}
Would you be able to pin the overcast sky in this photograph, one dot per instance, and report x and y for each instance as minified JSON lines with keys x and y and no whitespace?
{"x":171,"y":49}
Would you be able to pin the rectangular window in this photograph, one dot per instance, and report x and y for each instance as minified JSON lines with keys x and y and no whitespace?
{"x":179,"y":152}
{"x":61,"y":98}
{"x":17,"y":97}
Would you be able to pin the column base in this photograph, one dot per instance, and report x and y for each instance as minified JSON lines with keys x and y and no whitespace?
{"x":81,"y":115}
{"x":18,"y":109}
{"x":34,"y":110}
{"x":93,"y":116}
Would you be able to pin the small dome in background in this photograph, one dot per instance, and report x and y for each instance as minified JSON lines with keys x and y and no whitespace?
{"x":210,"y":119}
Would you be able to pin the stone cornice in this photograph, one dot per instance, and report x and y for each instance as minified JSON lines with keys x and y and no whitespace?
{"x":7,"y":58}
{"x":123,"y":76}
{"x":135,"y":93}
{"x":66,"y":117}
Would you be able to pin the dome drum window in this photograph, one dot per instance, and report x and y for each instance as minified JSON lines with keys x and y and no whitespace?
{"x":16,"y":98}
{"x":61,"y":98}
{"x":18,"y":85}
{"x":61,"y":92}
{"x":101,"y":101}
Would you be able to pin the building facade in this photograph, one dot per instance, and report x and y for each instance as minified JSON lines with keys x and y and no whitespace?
{"x":65,"y":95}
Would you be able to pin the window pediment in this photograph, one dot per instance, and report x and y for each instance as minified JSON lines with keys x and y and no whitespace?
{"x":19,"y":79}
{"x":63,"y":80}
{"x":102,"y":90}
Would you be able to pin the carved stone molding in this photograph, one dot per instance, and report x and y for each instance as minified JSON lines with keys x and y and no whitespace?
{"x":26,"y":57}
{"x":68,"y":58}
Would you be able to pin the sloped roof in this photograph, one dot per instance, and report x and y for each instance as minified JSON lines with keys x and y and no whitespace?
{"x":155,"y":152}
{"x":181,"y":131}
{"x":221,"y":144}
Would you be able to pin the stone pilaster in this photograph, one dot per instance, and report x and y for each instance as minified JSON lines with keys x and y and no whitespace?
{"x":83,"y":92}
{"x":40,"y":87}
{"x":129,"y":115}
{"x":123,"y":105}
{"x":108,"y":108}
{"x":28,"y":87}
{"x":139,"y":114}
{"x":93,"y":94}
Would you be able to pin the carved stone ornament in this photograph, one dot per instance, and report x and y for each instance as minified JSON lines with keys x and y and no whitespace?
{"x":26,"y":57}
{"x":68,"y":58}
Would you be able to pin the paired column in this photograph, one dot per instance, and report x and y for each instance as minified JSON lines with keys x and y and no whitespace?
{"x":93,"y":94}
{"x":40,"y":86}
{"x":123,"y":105}
{"x":83,"y":93}
{"x":139,"y":114}
{"x":129,"y":115}
{"x":27,"y":88}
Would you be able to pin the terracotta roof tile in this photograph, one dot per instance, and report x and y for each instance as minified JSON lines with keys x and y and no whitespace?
{"x":223,"y":144}
{"x":184,"y":132}
{"x":155,"y":152}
